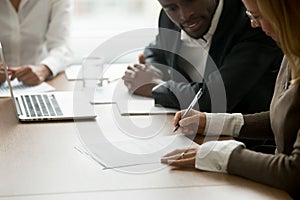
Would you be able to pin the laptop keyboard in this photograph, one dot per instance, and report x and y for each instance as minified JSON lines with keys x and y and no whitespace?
{"x":41,"y":105}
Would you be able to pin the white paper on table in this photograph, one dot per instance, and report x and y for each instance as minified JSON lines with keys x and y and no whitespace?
{"x":72,"y":72}
{"x":134,"y":152}
{"x":20,"y":88}
{"x":137,"y":106}
{"x":104,"y":94}
{"x":128,"y":104}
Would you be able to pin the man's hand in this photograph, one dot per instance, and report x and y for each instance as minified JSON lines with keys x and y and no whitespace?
{"x":142,"y":58}
{"x":141,"y":78}
{"x":31,"y":74}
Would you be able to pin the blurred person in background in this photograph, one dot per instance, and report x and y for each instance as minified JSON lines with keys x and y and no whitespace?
{"x":35,"y":36}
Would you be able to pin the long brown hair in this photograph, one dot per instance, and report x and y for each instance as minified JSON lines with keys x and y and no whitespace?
{"x":284,"y":15}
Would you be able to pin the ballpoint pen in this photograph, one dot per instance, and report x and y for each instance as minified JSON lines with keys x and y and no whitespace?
{"x":193,"y":103}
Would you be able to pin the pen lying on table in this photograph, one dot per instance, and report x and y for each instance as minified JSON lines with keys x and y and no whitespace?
{"x":193,"y":103}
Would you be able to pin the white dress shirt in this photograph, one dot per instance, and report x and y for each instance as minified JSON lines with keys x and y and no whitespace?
{"x":196,"y":50}
{"x":213,"y":155}
{"x":37,"y":34}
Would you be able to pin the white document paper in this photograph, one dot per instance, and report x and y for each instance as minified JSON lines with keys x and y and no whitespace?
{"x":104,"y":95}
{"x":134,"y":152}
{"x":136,"y":105}
{"x":128,"y":103}
{"x":72,"y":72}
{"x":20,"y":88}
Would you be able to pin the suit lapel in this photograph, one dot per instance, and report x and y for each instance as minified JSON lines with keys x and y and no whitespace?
{"x":223,"y":36}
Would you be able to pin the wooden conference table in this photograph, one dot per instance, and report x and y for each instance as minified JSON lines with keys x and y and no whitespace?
{"x":40,"y":161}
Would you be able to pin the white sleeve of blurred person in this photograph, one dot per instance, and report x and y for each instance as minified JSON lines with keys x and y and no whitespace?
{"x":57,"y":37}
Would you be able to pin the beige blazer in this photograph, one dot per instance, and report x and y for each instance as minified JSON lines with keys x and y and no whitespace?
{"x":282,"y":122}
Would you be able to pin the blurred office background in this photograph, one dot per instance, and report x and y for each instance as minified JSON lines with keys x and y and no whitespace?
{"x":95,"y":21}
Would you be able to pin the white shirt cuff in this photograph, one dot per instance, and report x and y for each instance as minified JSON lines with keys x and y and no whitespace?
{"x":58,"y":60}
{"x":223,"y":124}
{"x":214,"y":155}
{"x":157,"y":86}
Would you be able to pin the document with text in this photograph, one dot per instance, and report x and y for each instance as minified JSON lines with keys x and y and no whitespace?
{"x":19,"y":88}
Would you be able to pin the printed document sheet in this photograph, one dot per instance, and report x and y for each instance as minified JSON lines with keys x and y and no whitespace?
{"x":134,"y":152}
{"x":19,"y":88}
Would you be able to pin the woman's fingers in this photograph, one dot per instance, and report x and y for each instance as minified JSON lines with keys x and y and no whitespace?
{"x":182,"y":162}
{"x":180,"y":157}
{"x":190,"y":120}
{"x":177,"y":117}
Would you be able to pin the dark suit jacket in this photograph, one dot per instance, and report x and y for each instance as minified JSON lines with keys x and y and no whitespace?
{"x":246,"y":60}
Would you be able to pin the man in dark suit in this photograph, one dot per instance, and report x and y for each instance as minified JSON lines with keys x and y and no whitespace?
{"x":246,"y":60}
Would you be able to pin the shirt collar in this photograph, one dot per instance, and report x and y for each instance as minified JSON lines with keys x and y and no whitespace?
{"x":22,"y":3}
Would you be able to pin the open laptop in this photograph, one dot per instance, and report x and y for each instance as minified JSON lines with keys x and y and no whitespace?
{"x":54,"y":106}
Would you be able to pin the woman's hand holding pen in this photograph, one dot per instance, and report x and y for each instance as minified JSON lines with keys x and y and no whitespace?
{"x":193,"y":123}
